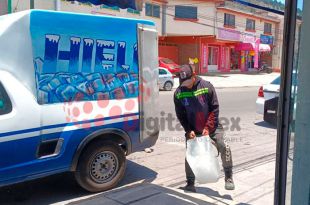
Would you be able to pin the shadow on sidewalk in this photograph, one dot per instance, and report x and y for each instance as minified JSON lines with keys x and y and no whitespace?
{"x":210,"y":192}
{"x":266,"y":125}
{"x":62,"y":187}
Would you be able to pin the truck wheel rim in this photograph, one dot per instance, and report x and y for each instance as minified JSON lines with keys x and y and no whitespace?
{"x":103,"y":167}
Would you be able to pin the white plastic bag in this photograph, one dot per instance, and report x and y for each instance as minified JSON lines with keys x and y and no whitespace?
{"x":201,"y":156}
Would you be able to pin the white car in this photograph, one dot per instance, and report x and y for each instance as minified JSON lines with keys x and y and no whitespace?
{"x":270,"y":91}
{"x":267,"y":92}
{"x":165,"y":79}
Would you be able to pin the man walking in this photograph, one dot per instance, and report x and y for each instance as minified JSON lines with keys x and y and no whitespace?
{"x":197,"y":109}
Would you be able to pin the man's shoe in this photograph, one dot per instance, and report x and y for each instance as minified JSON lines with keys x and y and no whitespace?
{"x":189,"y":188}
{"x":229,"y":183}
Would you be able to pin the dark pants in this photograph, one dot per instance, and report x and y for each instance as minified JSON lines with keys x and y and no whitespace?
{"x":219,"y":138}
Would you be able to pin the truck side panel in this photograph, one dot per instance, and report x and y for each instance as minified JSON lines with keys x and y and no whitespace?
{"x":86,"y":80}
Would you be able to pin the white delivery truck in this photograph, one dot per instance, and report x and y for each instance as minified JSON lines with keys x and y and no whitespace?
{"x":75,"y":92}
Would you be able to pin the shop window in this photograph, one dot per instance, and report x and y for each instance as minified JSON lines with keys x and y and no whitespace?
{"x":267,"y":28}
{"x":229,"y":20}
{"x":250,"y":25}
{"x":213,"y":56}
{"x":152,"y":10}
{"x":5,"y":103}
{"x":186,"y":12}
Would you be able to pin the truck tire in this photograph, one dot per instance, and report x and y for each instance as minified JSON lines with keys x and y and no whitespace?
{"x":101,"y":167}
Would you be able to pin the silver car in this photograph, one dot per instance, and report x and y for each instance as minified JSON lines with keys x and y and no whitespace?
{"x":165,"y":79}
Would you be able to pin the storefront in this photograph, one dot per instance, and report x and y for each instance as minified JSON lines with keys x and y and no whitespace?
{"x":247,"y":56}
{"x":266,"y":45}
{"x":216,"y":53}
{"x":253,"y":55}
{"x":215,"y":56}
{"x":229,"y":50}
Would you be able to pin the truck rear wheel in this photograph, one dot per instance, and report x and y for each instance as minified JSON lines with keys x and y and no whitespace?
{"x":101,"y":167}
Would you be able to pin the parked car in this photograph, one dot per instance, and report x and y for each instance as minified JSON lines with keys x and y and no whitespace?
{"x":169,"y":64}
{"x":268,"y":95}
{"x":165,"y":79}
{"x":267,"y":92}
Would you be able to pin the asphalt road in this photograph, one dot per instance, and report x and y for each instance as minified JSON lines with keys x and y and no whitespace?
{"x":252,"y":141}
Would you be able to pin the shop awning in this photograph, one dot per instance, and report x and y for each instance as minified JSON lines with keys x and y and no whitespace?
{"x":264,"y":48}
{"x":245,"y":47}
{"x":251,"y":47}
{"x":123,"y":4}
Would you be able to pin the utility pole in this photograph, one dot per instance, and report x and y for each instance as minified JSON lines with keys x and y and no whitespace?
{"x":31,"y":4}
{"x":164,"y":20}
{"x":57,"y":5}
{"x":9,"y":6}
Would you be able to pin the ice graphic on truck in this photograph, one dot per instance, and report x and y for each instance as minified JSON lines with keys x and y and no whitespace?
{"x":75,"y":91}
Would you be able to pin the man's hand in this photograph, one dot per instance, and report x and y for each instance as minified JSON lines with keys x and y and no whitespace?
{"x":190,"y":135}
{"x":205,"y":132}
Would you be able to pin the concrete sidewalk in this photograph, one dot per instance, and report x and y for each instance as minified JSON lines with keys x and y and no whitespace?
{"x":254,"y":185}
{"x":237,"y":80}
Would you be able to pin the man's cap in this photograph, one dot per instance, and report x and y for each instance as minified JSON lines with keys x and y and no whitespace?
{"x":185,"y":75}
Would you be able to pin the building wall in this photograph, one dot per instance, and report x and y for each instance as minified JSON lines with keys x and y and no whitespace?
{"x":278,"y":42}
{"x":3,"y":7}
{"x":91,"y":9}
{"x":187,"y":51}
{"x":240,"y":20}
{"x":21,"y":5}
{"x":204,"y":25}
{"x":277,"y":31}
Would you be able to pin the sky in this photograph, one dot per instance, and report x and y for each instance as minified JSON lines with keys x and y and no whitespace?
{"x":299,"y":3}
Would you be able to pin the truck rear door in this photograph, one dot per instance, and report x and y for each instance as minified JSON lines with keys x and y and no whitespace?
{"x":148,"y":74}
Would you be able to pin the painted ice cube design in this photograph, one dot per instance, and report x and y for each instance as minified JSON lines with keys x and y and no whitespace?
{"x":134,"y":77}
{"x":124,"y":77}
{"x":56,"y":82}
{"x":45,"y":87}
{"x":93,"y":76}
{"x":63,"y":77}
{"x":107,"y":77}
{"x":101,"y":96}
{"x":117,"y":93}
{"x":66,"y":87}
{"x":99,"y":85}
{"x":113,"y":83}
{"x":86,"y":88}
{"x":45,"y":77}
{"x":67,"y":93}
{"x":132,"y":88}
{"x":76,"y":79}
